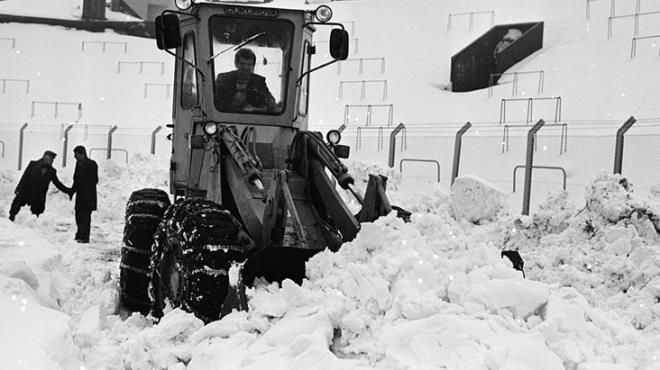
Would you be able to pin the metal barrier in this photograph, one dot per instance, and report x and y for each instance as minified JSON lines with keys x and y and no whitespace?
{"x":168,"y":87}
{"x":618,"y":150}
{"x":21,"y":138}
{"x":361,"y":64}
{"x":141,"y":64}
{"x":563,"y":141}
{"x":400,"y":128}
{"x":104,"y":43}
{"x":358,"y":136}
{"x":13,"y":41}
{"x":56,"y":104}
{"x":471,"y":21}
{"x":633,"y":47}
{"x":588,"y":11}
{"x":369,"y":107}
{"x":530,"y":107}
{"x":153,"y":139}
{"x":529,"y":163}
{"x":514,"y":92}
{"x":563,"y":171}
{"x":5,"y":80}
{"x":437,"y":164}
{"x":635,"y":15}
{"x":363,"y":84}
{"x":457,"y":150}
{"x":121,"y":150}
{"x":3,"y":148}
{"x":65,"y":144}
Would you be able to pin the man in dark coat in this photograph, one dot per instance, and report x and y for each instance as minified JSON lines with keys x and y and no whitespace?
{"x":85,"y":178}
{"x":33,"y":186}
{"x":243,"y":90}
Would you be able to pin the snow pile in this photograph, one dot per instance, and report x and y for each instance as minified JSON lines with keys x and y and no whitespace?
{"x":475,"y":200}
{"x":609,"y":251}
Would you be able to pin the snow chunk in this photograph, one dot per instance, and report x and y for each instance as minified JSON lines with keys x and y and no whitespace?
{"x":90,"y":323}
{"x":476,"y":200}
{"x":521,"y":297}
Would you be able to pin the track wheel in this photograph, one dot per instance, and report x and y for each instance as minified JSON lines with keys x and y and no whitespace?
{"x":144,"y":211}
{"x":195,"y":245}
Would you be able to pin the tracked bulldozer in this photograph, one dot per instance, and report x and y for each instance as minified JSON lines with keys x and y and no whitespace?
{"x":253,"y":187}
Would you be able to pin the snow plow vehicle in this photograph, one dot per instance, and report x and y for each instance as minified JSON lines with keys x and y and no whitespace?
{"x":253,"y":187}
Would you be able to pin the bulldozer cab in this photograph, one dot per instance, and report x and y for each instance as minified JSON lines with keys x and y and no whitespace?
{"x":243,"y":66}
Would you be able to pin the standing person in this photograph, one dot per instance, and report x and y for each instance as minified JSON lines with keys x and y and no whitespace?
{"x":85,"y":178}
{"x":33,"y":186}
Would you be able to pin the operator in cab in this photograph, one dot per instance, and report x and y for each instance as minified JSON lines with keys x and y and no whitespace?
{"x":243,"y":90}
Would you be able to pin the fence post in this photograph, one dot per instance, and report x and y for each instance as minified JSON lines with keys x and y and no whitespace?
{"x":618,"y":151}
{"x":390,"y":161}
{"x":66,"y":144}
{"x":529,"y":162}
{"x":112,"y":129}
{"x":153,"y":139}
{"x":21,"y":136}
{"x":457,"y":150}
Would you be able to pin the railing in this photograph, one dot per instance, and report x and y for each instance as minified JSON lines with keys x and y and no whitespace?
{"x":57,"y":105}
{"x":363,"y":88}
{"x":358,"y":136}
{"x":369,"y":109}
{"x":167,"y":86}
{"x":563,"y":141}
{"x":153,"y":139}
{"x":65,"y":144}
{"x":437,"y":164}
{"x":361,"y":64}
{"x":633,"y":47}
{"x":530,"y":106}
{"x":588,"y":11}
{"x":121,"y":150}
{"x":471,"y":20}
{"x":3,"y":148}
{"x":563,"y":171}
{"x":11,"y":39}
{"x":634,"y":15}
{"x":21,"y":140}
{"x":141,"y":64}
{"x":5,"y":80}
{"x":104,"y":44}
{"x":392,"y":152}
{"x":514,"y":91}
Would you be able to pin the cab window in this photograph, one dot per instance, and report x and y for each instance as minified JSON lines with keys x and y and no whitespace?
{"x":189,"y":95}
{"x":250,"y":62}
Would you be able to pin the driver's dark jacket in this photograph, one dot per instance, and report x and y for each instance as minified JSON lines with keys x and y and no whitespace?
{"x":255,"y":89}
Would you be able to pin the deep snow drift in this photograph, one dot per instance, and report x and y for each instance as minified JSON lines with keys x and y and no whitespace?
{"x":431,"y":293}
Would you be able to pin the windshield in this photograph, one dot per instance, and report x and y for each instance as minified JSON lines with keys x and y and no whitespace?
{"x":250,"y":60}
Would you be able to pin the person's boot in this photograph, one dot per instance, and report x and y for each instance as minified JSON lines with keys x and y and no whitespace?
{"x":12,"y":217}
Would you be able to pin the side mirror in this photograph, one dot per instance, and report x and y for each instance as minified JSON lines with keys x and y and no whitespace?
{"x":168,"y":33}
{"x":339,"y":44}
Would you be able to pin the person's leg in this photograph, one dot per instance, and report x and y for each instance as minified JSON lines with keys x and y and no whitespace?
{"x":78,"y":222}
{"x":16,"y":205}
{"x":84,"y":224}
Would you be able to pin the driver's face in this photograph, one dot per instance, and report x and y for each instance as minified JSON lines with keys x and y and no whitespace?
{"x":245,"y":65}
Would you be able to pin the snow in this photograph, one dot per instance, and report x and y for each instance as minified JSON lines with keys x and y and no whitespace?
{"x":432,"y":293}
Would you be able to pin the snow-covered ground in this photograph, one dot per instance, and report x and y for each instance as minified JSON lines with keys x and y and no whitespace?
{"x":433,"y":293}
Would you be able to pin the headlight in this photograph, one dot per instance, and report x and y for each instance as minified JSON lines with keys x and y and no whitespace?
{"x":333,"y":137}
{"x":183,"y":4}
{"x":210,"y":128}
{"x":323,"y":13}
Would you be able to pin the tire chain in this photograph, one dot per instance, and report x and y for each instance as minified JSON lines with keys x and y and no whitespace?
{"x":198,"y":240}
{"x":144,"y":210}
